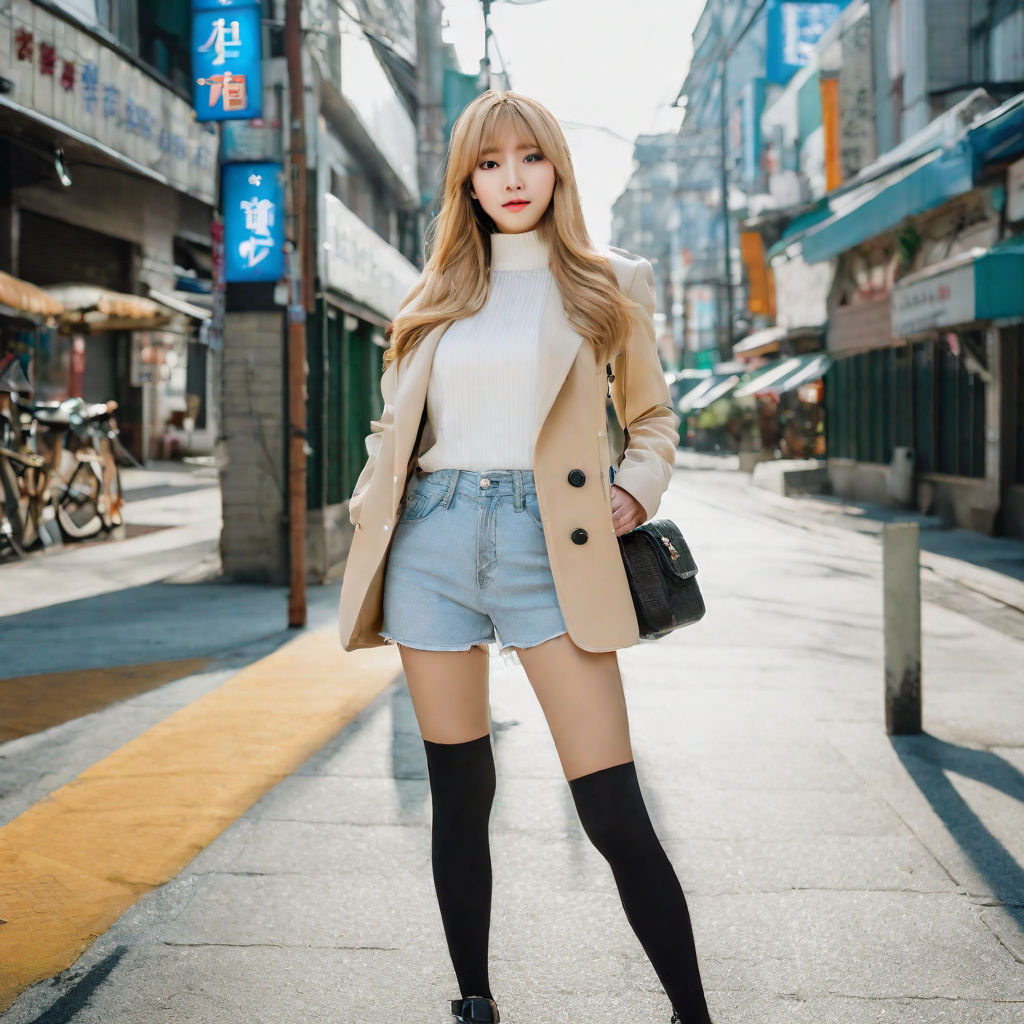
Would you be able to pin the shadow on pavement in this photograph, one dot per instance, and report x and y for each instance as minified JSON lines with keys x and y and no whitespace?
{"x":927,"y":760}
{"x":155,"y":622}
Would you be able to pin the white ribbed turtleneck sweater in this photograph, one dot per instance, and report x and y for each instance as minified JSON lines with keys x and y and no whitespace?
{"x":482,"y":396}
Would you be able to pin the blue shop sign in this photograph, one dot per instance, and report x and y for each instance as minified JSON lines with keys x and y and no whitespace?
{"x":217,"y":5}
{"x":253,"y":196}
{"x":227,"y":62}
{"x":793,"y":32}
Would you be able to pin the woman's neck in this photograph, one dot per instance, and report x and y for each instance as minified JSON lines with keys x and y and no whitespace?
{"x":526,"y":250}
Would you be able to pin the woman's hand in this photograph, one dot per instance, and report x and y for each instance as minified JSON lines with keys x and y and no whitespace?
{"x":627,"y":512}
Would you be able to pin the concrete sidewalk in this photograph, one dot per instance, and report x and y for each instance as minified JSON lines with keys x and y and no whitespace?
{"x":991,"y":567}
{"x":834,"y":874}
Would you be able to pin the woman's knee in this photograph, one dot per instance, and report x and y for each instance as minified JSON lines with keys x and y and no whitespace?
{"x":612,"y":811}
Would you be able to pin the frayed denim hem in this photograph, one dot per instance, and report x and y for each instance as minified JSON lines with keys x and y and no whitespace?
{"x":436,"y":647}
{"x":508,"y":651}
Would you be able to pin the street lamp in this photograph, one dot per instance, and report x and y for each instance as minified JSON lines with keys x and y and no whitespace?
{"x":485,"y":64}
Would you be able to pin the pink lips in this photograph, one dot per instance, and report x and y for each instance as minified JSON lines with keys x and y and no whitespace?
{"x":516,"y":204}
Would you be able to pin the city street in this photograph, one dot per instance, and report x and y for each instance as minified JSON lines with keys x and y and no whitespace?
{"x":254,"y":838}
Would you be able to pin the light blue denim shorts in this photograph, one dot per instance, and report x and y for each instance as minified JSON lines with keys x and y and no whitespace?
{"x":468,"y":564}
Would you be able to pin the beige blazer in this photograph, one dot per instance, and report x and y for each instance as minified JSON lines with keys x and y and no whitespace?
{"x":593,"y":593}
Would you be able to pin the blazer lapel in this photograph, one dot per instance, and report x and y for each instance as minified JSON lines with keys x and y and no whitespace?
{"x":413,"y":378}
{"x":559,"y":344}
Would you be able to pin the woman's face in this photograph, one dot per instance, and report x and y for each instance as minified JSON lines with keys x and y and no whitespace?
{"x":513,"y":182}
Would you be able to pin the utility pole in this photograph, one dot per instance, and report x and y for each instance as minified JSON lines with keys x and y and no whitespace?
{"x":299,"y":301}
{"x":725,"y":328}
{"x":485,"y":64}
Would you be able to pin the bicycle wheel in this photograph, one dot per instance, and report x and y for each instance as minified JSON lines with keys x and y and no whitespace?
{"x":78,"y":498}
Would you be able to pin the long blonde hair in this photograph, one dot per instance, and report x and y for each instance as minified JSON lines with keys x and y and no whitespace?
{"x":455,"y":281}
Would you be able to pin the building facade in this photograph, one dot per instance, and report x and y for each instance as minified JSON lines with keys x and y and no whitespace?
{"x":107,"y":187}
{"x":375,"y":123}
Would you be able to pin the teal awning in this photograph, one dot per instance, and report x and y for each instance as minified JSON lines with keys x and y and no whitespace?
{"x":709,"y":390}
{"x":999,"y":280}
{"x":799,"y":226}
{"x":786,"y":375}
{"x":998,"y":137}
{"x":983,"y":284}
{"x":879,"y":205}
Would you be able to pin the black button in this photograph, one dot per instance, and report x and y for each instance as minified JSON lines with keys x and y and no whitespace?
{"x":577,"y":478}
{"x":579,"y":536}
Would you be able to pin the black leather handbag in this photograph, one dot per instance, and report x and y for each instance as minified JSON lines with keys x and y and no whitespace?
{"x":661,"y":572}
{"x":662,"y":578}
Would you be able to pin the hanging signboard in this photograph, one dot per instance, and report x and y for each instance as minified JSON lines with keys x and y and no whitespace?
{"x":227,"y":56}
{"x":928,"y":301}
{"x":253,"y":196}
{"x":793,"y":31}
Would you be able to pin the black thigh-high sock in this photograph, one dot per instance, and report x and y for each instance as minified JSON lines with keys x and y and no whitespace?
{"x":614,"y":816}
{"x":462,"y":784}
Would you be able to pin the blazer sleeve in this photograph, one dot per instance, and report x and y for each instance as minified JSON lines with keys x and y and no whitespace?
{"x":372,"y":441}
{"x":643,"y":404}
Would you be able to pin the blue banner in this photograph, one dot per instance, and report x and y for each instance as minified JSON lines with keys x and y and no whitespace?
{"x":227,"y":62}
{"x":793,"y":32}
{"x":253,"y":198}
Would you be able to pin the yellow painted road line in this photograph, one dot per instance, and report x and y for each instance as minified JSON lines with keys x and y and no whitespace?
{"x":74,"y":862}
{"x":31,"y":704}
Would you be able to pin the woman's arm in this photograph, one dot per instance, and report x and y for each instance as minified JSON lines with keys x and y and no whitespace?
{"x":643,"y":404}
{"x":373,"y":439}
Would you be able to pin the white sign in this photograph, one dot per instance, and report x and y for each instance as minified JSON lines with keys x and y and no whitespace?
{"x":59,"y":72}
{"x":1015,"y":191}
{"x":940,"y":300}
{"x":361,"y":263}
{"x":368,"y":89}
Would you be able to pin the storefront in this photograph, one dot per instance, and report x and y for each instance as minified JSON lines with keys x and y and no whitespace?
{"x":366,"y":280}
{"x":104,"y":175}
{"x":27,"y":324}
{"x":941,"y":379}
{"x":962,"y":321}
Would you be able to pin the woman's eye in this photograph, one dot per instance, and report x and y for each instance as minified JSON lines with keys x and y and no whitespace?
{"x":534,"y":157}
{"x":484,"y":166}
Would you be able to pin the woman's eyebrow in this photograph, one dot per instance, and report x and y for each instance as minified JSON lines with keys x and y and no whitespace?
{"x":494,"y":149}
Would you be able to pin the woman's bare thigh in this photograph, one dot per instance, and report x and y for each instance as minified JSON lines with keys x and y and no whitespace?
{"x":581,"y":695}
{"x":449,"y":691}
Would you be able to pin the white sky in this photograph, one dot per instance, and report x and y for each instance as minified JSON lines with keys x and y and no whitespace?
{"x":617,"y":64}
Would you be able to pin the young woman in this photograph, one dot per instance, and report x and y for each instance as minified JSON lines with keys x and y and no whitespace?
{"x":502,"y":524}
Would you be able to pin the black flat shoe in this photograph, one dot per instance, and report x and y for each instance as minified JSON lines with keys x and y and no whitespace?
{"x":476,"y":1010}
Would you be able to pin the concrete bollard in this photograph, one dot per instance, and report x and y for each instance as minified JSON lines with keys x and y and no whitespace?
{"x":901,"y":578}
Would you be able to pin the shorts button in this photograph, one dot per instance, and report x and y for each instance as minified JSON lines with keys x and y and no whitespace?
{"x":577,"y":478}
{"x":484,"y":482}
{"x":579,"y":536}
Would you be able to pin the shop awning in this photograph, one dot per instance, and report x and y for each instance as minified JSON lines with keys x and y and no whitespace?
{"x":93,"y":309}
{"x":27,"y":298}
{"x":878,"y":205}
{"x":982,"y":284}
{"x":179,"y":305}
{"x":786,"y":375}
{"x":814,"y":367}
{"x":760,"y":341}
{"x":707,"y":391}
{"x":998,"y":137}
